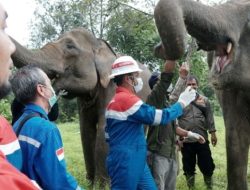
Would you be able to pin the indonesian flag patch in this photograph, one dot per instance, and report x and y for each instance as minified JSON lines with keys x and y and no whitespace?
{"x":60,"y":154}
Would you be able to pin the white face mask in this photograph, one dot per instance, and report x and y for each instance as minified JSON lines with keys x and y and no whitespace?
{"x":53,"y":98}
{"x":138,"y":87}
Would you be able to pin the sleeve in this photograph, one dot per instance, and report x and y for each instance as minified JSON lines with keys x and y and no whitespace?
{"x":210,"y":118}
{"x":50,"y":164}
{"x":178,"y":89}
{"x":158,"y":97}
{"x":148,"y":115}
{"x":11,"y":178}
{"x":9,"y":144}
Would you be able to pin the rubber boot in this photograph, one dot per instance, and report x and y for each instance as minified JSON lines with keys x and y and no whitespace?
{"x":190,"y":181}
{"x":209,"y":182}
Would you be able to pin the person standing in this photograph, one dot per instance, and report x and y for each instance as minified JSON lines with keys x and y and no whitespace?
{"x":162,"y":140}
{"x":124,"y":131}
{"x":197,"y":117}
{"x":40,"y":139}
{"x":10,"y":177}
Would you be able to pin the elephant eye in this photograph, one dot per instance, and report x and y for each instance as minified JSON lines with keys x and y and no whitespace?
{"x":70,"y":46}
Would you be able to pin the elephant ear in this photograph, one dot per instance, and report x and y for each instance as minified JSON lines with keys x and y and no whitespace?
{"x":104,"y":57}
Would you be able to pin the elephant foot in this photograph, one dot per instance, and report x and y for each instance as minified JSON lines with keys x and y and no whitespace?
{"x":90,"y":181}
{"x":101,"y":183}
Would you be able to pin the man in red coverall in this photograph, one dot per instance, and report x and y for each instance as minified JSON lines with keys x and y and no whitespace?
{"x":10,"y":177}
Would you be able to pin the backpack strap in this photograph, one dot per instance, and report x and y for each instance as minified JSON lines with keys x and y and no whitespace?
{"x":26,"y":118}
{"x":203,"y":109}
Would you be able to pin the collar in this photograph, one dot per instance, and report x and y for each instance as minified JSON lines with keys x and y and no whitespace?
{"x":30,"y":107}
{"x":123,"y":89}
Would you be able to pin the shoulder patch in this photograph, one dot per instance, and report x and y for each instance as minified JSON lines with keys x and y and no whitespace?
{"x":60,"y":154}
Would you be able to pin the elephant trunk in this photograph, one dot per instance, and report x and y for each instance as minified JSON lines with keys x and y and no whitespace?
{"x":40,"y":58}
{"x":209,"y":25}
{"x":169,"y":21}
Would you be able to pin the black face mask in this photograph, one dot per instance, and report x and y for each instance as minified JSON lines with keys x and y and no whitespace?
{"x":5,"y":90}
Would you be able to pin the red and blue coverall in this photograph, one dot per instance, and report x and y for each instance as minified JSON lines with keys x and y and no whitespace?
{"x":124,"y":132}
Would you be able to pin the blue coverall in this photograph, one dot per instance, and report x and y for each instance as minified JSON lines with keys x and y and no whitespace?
{"x":124,"y":132}
{"x":43,"y":154}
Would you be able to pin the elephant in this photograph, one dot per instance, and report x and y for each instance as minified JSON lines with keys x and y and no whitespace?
{"x":81,"y":64}
{"x":224,"y":32}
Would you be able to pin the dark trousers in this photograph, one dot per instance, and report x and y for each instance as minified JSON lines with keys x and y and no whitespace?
{"x":200,"y":152}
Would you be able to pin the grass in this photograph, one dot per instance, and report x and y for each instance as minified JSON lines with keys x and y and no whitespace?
{"x":75,"y":162}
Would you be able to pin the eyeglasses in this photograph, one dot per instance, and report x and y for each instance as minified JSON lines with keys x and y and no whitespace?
{"x":191,"y":84}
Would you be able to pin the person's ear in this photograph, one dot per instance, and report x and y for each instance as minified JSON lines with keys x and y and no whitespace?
{"x":40,"y":89}
{"x":126,"y":78}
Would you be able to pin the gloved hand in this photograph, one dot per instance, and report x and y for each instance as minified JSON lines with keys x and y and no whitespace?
{"x":187,"y":96}
{"x":196,"y":137}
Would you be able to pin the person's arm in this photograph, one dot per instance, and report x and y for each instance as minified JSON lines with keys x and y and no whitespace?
{"x":210,"y":123}
{"x":51,"y":166}
{"x":9,"y":144}
{"x":146,"y":114}
{"x":13,"y":179}
{"x":184,"y":133}
{"x":180,"y":84}
{"x":158,"y":95}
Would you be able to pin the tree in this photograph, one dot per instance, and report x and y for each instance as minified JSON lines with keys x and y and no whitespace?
{"x":133,"y":32}
{"x":129,"y":29}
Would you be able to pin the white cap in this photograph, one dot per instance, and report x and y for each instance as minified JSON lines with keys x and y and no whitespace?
{"x":124,"y":65}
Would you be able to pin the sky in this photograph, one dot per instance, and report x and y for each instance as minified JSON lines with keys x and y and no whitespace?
{"x":19,"y":16}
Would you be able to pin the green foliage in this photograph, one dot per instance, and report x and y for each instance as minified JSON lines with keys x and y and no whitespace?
{"x":5,"y":108}
{"x":52,"y":19}
{"x":68,"y":111}
{"x":133,"y":33}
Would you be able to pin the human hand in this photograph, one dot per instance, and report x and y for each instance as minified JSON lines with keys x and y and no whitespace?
{"x":179,"y":144}
{"x":187,"y":96}
{"x":213,"y":139}
{"x":61,"y":93}
{"x":184,"y":70}
{"x":196,"y":137}
{"x":169,"y":66}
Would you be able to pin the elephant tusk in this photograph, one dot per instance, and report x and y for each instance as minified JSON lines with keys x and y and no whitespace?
{"x":229,"y":47}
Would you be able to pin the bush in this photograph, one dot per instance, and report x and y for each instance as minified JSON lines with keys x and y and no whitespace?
{"x":68,"y":110}
{"x":5,"y":107}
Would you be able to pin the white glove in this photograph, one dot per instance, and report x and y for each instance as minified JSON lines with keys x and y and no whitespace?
{"x":187,"y":96}
{"x":195,"y":137}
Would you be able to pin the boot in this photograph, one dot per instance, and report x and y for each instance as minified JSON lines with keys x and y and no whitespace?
{"x":190,"y":181}
{"x":209,"y":182}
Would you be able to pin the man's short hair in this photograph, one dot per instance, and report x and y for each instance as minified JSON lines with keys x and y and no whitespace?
{"x":192,"y":77}
{"x":24,"y":83}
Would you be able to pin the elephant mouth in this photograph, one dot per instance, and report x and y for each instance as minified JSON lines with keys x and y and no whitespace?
{"x":223,"y":54}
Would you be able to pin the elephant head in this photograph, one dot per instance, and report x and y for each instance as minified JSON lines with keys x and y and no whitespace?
{"x":223,"y":29}
{"x":76,"y":61}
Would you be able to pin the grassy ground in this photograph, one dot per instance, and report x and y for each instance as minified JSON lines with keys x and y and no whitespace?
{"x":74,"y":157}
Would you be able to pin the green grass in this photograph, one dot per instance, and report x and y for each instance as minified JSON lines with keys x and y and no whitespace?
{"x":74,"y":157}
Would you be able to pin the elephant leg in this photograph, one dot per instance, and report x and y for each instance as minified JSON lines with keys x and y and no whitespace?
{"x":88,"y":137}
{"x":101,"y":154}
{"x":237,"y":157}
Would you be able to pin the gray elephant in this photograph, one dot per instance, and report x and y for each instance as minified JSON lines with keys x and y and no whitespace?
{"x":81,"y":64}
{"x":224,"y":31}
